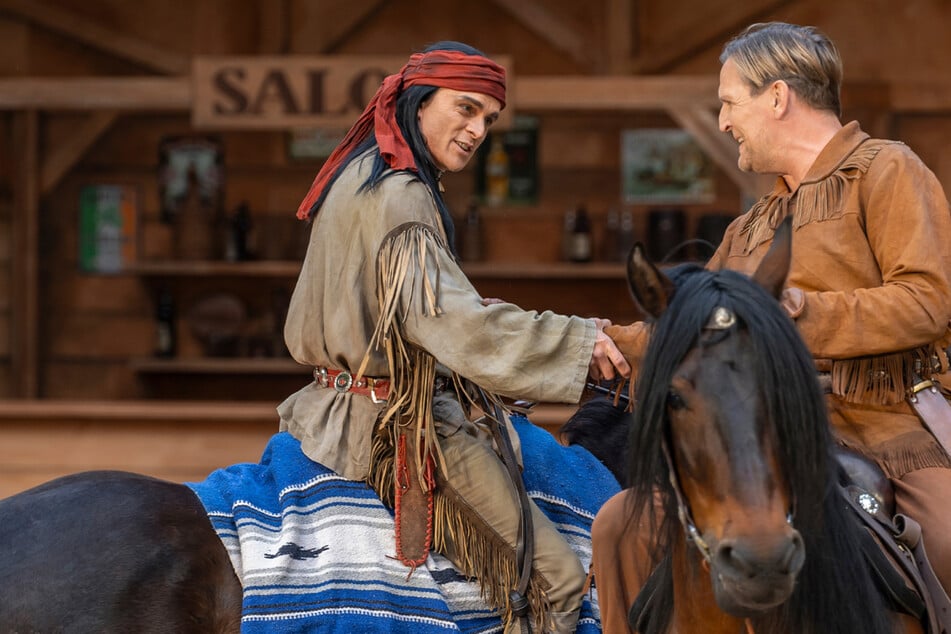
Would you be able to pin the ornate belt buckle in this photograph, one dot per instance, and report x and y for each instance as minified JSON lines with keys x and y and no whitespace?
{"x":373,"y":397}
{"x":343,"y":381}
{"x":320,"y":376}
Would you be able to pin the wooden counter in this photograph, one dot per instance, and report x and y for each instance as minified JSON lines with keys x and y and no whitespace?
{"x":176,"y":440}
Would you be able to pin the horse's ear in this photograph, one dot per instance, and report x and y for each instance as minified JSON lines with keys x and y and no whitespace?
{"x":772,"y":271}
{"x":649,"y":286}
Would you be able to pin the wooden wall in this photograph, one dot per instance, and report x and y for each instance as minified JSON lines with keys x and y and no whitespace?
{"x":88,"y":330}
{"x":6,"y":255}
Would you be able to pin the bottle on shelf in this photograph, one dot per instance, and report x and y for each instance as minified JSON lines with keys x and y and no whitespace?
{"x":567,"y":231}
{"x":194,"y":225}
{"x":496,"y":173}
{"x":581,"y":242}
{"x":625,"y":238}
{"x":236,"y":243}
{"x":608,"y":250}
{"x":165,"y":336}
{"x":472,"y":234}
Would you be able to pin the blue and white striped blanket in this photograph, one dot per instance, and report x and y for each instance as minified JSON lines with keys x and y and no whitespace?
{"x":313,"y":550}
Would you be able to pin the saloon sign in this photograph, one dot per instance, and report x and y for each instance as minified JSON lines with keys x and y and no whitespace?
{"x":287,"y":92}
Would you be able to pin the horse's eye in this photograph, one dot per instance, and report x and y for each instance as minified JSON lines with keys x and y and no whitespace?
{"x":675,"y":400}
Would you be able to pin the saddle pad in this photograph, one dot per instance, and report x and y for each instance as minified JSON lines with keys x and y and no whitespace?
{"x":314,"y":550}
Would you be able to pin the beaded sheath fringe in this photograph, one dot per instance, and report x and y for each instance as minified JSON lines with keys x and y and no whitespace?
{"x":407,"y":266}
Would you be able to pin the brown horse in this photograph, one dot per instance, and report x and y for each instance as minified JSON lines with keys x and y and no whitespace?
{"x":732,"y":465}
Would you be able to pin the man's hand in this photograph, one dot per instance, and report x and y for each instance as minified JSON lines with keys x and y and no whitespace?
{"x":793,"y":301}
{"x":606,"y":360}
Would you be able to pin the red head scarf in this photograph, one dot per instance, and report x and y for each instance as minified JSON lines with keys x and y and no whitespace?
{"x":443,"y":69}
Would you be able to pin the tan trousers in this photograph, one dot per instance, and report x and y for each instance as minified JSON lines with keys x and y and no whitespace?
{"x":478,"y":477}
{"x":923,"y":496}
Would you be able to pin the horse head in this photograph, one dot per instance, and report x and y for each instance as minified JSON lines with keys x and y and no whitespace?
{"x":720,"y":423}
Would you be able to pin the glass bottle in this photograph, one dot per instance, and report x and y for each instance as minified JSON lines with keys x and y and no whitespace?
{"x":165,"y":336}
{"x":567,"y":231}
{"x":581,"y":244}
{"x":472,"y":235}
{"x":496,"y":173}
{"x":625,"y":239}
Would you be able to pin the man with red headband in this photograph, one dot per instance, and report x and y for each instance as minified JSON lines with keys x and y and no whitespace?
{"x":399,"y":338}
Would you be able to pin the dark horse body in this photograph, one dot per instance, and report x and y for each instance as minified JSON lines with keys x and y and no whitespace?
{"x":119,"y":552}
{"x":732,"y":467}
{"x":109,"y":551}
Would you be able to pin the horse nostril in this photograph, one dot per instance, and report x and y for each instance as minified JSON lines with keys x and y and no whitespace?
{"x":729,"y":556}
{"x":785,"y":558}
{"x":795,"y":555}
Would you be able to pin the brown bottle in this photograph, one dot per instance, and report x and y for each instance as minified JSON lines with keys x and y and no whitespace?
{"x":580,"y":244}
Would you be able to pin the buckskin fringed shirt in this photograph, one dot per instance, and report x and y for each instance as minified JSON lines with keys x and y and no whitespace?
{"x":867,"y":252}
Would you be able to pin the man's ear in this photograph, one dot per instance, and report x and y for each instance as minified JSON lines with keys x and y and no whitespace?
{"x":779,"y":94}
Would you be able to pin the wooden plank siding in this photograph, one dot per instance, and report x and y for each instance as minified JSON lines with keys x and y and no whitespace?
{"x":85,"y":332}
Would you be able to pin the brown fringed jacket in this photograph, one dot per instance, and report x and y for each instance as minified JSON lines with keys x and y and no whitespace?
{"x":872,"y":253}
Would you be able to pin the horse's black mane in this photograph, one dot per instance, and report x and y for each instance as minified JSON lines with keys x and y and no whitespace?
{"x":833,"y":595}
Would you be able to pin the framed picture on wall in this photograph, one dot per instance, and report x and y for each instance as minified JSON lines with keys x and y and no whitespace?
{"x":660,"y":165}
{"x":108,"y":227}
{"x":506,"y":164}
{"x":189,"y":165}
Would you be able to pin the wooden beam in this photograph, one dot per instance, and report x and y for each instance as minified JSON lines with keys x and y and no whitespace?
{"x":25,"y":264}
{"x":563,"y":37}
{"x":613,"y":93}
{"x":541,"y":93}
{"x":528,"y":93}
{"x":68,"y":152}
{"x":97,"y":93}
{"x":920,"y":97}
{"x":702,"y":124}
{"x":714,"y":27}
{"x":620,"y":43}
{"x":89,"y":33}
{"x":340,"y":20}
{"x":273,"y":22}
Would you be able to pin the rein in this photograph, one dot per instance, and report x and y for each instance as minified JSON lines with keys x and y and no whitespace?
{"x":525,"y":545}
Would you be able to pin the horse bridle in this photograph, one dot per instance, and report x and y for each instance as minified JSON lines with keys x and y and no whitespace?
{"x":683,"y":509}
{"x":721,"y":319}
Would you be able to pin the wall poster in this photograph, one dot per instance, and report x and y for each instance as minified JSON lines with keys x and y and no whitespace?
{"x":660,"y":165}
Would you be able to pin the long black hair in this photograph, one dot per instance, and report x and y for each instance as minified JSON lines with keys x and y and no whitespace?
{"x":407,"y":108}
{"x":833,"y":595}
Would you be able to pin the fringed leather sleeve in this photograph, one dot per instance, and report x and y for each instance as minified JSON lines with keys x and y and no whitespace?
{"x":412,"y":371}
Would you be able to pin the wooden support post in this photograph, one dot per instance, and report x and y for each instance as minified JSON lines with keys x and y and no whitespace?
{"x":25,"y":265}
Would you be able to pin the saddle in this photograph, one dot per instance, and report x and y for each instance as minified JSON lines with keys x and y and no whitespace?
{"x":896,"y":556}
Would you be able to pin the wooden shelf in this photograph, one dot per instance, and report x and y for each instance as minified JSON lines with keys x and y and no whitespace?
{"x":137,"y":411}
{"x":206,"y":268}
{"x":223,"y":365}
{"x":548,"y":415}
{"x":291,"y":268}
{"x":544,"y":270}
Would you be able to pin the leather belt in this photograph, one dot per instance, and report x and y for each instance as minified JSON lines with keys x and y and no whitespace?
{"x":342,"y":381}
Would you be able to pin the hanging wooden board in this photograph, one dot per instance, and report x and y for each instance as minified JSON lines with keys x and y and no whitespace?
{"x":285,"y":92}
